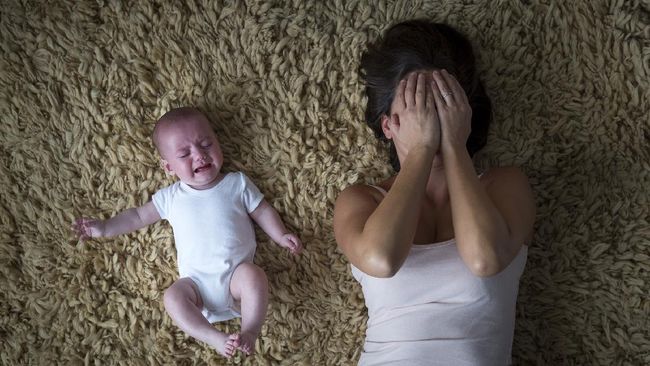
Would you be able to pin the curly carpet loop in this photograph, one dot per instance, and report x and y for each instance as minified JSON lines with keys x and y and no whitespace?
{"x":81,"y":83}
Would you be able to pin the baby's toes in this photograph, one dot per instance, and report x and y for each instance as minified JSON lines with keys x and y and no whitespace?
{"x":229,"y":350}
{"x":235,"y":339}
{"x":249,"y":348}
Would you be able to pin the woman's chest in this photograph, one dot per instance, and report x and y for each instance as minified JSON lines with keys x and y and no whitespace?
{"x":430,"y":274}
{"x":434,"y":225}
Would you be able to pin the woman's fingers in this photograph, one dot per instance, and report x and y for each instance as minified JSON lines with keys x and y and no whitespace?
{"x":453,"y":110}
{"x":437,"y":95}
{"x":454,"y":86}
{"x":446,"y":92}
{"x":413,"y":91}
{"x":431,"y":100}
{"x":401,"y":88}
{"x":421,"y":90}
{"x":409,"y":93}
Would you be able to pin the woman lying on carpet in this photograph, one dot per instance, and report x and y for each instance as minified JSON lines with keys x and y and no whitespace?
{"x":210,"y":213}
{"x":437,"y":249}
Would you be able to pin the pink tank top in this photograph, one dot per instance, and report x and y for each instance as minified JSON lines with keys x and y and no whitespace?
{"x":434,"y":311}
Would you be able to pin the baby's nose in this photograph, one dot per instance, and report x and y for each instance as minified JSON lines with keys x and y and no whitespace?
{"x":200,"y":155}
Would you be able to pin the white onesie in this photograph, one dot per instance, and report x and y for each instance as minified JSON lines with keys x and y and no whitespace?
{"x":213,"y":235}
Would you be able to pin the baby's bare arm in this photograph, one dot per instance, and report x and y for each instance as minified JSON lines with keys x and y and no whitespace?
{"x":268,"y":219}
{"x":125,"y":222}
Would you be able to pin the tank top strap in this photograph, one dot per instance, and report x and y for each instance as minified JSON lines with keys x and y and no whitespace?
{"x":383,"y":191}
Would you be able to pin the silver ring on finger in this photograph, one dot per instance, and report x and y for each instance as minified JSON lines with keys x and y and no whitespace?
{"x":446,"y":94}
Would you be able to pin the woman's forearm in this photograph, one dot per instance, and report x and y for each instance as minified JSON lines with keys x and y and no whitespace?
{"x":480,"y":230}
{"x":389,"y":231}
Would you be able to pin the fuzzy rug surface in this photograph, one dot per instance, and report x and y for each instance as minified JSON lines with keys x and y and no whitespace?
{"x":82,"y":82}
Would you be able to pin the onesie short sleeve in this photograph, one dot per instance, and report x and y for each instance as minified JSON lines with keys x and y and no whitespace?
{"x":251,"y":195}
{"x":163,"y":200}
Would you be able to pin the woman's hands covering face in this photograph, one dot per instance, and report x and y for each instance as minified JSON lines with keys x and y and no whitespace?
{"x":454,"y":111}
{"x":430,"y":109}
{"x":414,"y":121}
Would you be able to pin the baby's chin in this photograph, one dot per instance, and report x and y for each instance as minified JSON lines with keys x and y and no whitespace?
{"x":198,"y":183}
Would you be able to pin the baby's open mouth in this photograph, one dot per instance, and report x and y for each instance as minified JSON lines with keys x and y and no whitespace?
{"x":202,"y":168}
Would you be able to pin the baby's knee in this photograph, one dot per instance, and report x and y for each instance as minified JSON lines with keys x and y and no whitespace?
{"x":170,"y":297}
{"x":179,"y":292}
{"x":253,"y":274}
{"x":258,"y":273}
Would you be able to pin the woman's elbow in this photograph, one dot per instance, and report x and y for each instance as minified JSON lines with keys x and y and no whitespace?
{"x":483,"y":268}
{"x":383,"y":272}
{"x":380,"y":266}
{"x":486,"y":259}
{"x":483,"y":263}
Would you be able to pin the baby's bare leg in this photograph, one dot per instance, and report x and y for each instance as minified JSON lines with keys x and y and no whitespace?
{"x":250,"y":287}
{"x":183,"y":304}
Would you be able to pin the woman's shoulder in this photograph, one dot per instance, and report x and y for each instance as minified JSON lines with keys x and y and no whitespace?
{"x":356,"y":202}
{"x":360,"y":192}
{"x":367,"y":192}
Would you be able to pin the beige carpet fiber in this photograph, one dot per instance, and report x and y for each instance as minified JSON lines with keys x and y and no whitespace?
{"x":82,"y":82}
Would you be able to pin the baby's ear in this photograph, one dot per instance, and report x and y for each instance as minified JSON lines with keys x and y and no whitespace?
{"x":389,"y":125}
{"x":165,"y":165}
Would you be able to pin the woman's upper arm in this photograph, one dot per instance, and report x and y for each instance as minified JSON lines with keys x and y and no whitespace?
{"x":511,"y":194}
{"x":352,"y":209}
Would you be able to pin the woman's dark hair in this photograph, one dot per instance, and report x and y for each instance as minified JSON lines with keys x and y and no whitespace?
{"x":422,"y":45}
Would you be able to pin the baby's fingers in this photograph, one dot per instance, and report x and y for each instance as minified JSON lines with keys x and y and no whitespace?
{"x":78,"y":230}
{"x":77,"y":225}
{"x":83,"y":227}
{"x":295,"y":246}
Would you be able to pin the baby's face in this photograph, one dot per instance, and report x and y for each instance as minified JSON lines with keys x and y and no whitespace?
{"x":190,"y":150}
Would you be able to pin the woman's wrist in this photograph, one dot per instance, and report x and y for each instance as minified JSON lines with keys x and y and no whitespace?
{"x":452,"y":147}
{"x":425,"y":148}
{"x":455,"y":156}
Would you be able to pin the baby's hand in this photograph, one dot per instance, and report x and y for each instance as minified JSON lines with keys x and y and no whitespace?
{"x":292,"y":243}
{"x":88,"y":228}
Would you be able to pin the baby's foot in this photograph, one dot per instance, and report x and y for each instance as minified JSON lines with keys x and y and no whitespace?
{"x":247,"y":342}
{"x":229,"y":345}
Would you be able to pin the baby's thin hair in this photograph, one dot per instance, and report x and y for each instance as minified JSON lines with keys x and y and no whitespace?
{"x":172,"y":116}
